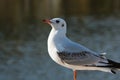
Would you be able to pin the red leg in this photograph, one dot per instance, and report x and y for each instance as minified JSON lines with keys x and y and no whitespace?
{"x":75,"y":74}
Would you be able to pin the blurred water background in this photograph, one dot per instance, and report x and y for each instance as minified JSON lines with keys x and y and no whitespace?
{"x":23,"y":36}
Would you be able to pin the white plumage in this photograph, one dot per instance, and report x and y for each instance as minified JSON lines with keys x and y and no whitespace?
{"x":73,"y":55}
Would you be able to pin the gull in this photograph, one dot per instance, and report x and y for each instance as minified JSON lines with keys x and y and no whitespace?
{"x":72,"y":55}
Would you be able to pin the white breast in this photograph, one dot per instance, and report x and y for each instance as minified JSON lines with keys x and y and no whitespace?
{"x":52,"y":47}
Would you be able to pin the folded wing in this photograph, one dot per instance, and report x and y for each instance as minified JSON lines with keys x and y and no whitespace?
{"x":79,"y":58}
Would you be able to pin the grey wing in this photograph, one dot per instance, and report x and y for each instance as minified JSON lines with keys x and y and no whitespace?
{"x":76,"y":54}
{"x":79,"y":58}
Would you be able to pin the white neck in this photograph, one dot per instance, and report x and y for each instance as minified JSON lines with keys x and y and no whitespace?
{"x":55,"y":37}
{"x":53,"y":41}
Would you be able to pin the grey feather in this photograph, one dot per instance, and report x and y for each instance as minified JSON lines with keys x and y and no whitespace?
{"x":81,"y":58}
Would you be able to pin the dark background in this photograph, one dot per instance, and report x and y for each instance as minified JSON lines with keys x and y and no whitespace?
{"x":23,"y":36}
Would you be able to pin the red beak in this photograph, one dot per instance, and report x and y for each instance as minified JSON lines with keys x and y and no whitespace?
{"x":47,"y":21}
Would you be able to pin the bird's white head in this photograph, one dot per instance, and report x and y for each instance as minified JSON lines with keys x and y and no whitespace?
{"x":57,"y":24}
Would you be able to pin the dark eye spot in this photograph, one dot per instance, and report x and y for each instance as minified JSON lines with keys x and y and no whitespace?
{"x":57,"y":21}
{"x":62,"y":25}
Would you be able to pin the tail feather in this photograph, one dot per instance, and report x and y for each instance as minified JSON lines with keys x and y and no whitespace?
{"x":112,"y":65}
{"x":109,"y":63}
{"x":115,"y":66}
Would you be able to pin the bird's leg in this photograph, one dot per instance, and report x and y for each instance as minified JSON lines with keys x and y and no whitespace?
{"x":75,"y":74}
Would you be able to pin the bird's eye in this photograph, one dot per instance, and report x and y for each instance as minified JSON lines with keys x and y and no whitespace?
{"x":57,"y":21}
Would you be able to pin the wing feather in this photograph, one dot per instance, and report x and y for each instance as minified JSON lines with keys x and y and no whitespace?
{"x":78,"y":58}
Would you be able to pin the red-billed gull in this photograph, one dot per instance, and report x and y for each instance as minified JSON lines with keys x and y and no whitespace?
{"x":73,"y":55}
